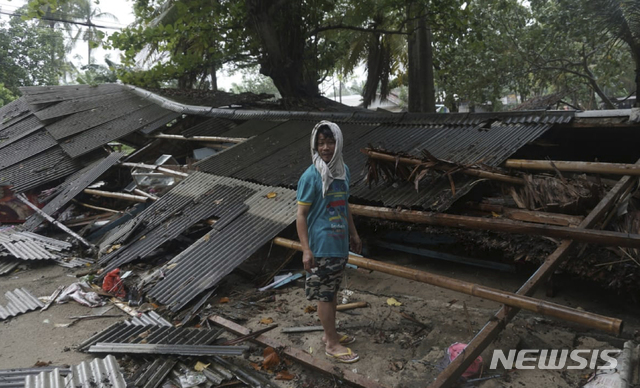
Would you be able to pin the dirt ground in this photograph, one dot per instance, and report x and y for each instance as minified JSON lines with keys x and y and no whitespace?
{"x":394,"y":350}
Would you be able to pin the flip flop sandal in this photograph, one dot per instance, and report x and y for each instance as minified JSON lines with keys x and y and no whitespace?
{"x":346,"y":340}
{"x":338,"y":356}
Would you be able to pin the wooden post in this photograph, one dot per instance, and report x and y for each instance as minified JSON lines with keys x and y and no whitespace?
{"x":603,"y":237}
{"x":610,"y":325}
{"x":449,"y":376}
{"x":468,"y":171}
{"x":581,"y":167}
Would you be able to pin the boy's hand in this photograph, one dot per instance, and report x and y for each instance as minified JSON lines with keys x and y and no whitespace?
{"x":356,"y":243}
{"x":308,"y":261}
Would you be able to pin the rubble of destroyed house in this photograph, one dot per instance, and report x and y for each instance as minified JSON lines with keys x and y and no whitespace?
{"x":158,"y":208}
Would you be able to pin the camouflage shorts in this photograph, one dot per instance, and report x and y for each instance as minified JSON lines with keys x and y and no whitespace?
{"x":323,"y":284}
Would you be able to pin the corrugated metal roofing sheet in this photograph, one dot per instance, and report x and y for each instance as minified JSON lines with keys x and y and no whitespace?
{"x":39,"y":169}
{"x":151,"y":334}
{"x":204,"y":263}
{"x":95,"y":137}
{"x":18,"y":151}
{"x":99,"y":373}
{"x":20,"y":301}
{"x":111,"y":107}
{"x":7,"y":265}
{"x":30,"y":246}
{"x":48,"y":94}
{"x":19,"y":129}
{"x":150,"y":318}
{"x":280,"y":162}
{"x":255,"y":150}
{"x":72,"y":188}
{"x":78,"y":105}
{"x":182,"y":350}
{"x":212,"y":127}
{"x":15,"y":110}
{"x":15,"y":378}
{"x":160,"y":123}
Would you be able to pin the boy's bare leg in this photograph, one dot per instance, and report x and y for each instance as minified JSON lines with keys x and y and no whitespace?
{"x":327,"y":315}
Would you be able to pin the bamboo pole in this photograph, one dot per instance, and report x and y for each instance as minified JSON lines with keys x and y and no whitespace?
{"x":97,"y":207}
{"x":582,"y":167}
{"x":602,"y":237}
{"x":214,"y":139}
{"x":450,"y":375}
{"x":529,"y":215}
{"x":349,"y":306}
{"x":468,"y":171}
{"x":145,"y":194}
{"x":153,"y":167}
{"x":108,"y":194}
{"x":47,"y":217}
{"x":591,"y":320}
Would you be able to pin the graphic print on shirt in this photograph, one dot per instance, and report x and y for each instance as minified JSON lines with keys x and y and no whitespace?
{"x":337,"y":209}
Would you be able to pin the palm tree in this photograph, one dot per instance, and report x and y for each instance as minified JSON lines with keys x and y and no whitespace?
{"x":621,"y":19}
{"x":84,"y":11}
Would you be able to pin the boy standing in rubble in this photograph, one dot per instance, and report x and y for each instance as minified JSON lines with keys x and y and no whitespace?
{"x":325,"y":228}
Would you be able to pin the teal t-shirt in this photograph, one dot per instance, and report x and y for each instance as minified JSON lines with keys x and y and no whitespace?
{"x":327,"y":221}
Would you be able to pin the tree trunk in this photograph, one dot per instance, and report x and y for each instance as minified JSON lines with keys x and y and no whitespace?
{"x":421,"y":85}
{"x":278,"y":26}
{"x":635,"y":53}
{"x":214,"y":78}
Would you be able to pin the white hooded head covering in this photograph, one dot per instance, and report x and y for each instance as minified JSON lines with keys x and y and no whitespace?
{"x":335,"y":169}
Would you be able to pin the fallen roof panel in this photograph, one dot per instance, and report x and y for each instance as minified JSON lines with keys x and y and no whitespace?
{"x":211,"y":127}
{"x":72,"y":188}
{"x":48,"y":94}
{"x":96,"y":137}
{"x":99,"y":373}
{"x":15,"y":110}
{"x":17,"y":151}
{"x":182,"y":350}
{"x":203,"y":264}
{"x":39,"y":169}
{"x":15,"y":378}
{"x":110,"y":108}
{"x":78,"y":105}
{"x":7,"y":265}
{"x":20,"y":301}
{"x":151,"y":334}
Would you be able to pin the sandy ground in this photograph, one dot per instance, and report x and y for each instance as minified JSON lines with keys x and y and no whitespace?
{"x":394,"y":351}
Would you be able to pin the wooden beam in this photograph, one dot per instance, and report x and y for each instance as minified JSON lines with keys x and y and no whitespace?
{"x":581,"y":167}
{"x":467,"y":171}
{"x":153,"y":167}
{"x":301,"y":356}
{"x":215,"y":139}
{"x":349,"y":306}
{"x":602,"y":237}
{"x":595,"y":321}
{"x":529,"y":215}
{"x":449,"y":376}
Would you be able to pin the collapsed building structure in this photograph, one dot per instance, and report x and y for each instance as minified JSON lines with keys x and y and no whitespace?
{"x":198,"y":190}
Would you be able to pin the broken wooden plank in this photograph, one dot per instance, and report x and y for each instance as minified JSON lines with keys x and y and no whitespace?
{"x":249,"y":336}
{"x":602,"y":237}
{"x":579,"y":167}
{"x":301,"y":329}
{"x":450,"y":375}
{"x":595,"y":321}
{"x":301,"y":356}
{"x":153,"y":167}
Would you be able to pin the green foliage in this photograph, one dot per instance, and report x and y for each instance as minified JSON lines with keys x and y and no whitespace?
{"x":30,"y":54}
{"x":5,"y":95}
{"x":95,"y":74}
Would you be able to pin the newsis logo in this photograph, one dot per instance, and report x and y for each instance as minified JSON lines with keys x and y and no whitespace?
{"x":554,"y":359}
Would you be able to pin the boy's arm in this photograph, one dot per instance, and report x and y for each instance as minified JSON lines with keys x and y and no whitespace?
{"x":303,"y":235}
{"x":354,"y":238}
